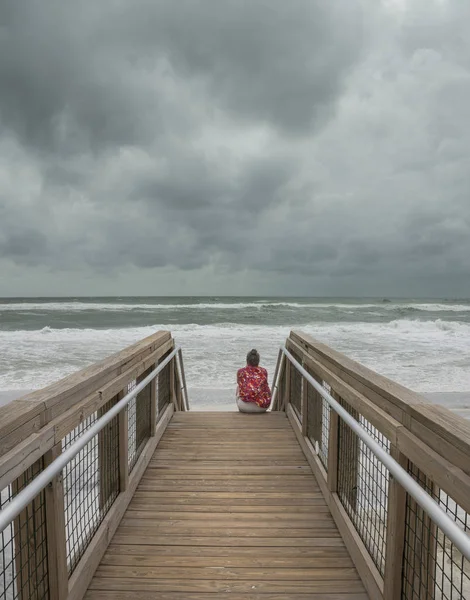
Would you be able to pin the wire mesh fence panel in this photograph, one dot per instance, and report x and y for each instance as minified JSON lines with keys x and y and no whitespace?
{"x":91,"y":484}
{"x":139,"y":419}
{"x":163,"y":387}
{"x":363,"y":486}
{"x":108,"y":452}
{"x":23,"y":545}
{"x":314,"y":412}
{"x":325,"y":429}
{"x":132,"y":427}
{"x":295,"y":386}
{"x":432,"y":566}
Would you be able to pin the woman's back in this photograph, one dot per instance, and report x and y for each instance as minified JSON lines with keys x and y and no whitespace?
{"x":253,"y":387}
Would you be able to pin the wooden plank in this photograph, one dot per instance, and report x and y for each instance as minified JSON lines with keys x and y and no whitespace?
{"x":144,"y":527}
{"x":446,"y":433}
{"x":56,"y":535}
{"x":149,"y":510}
{"x":129,"y":537}
{"x":286,"y":390}
{"x":225,"y":470}
{"x":215,"y":573}
{"x":130,"y":595}
{"x":202,"y":522}
{"x":322,"y":560}
{"x":280,"y":552}
{"x":304,"y":405}
{"x":135,"y":584}
{"x":173,"y":397}
{"x":201,"y":499}
{"x":21,"y":457}
{"x":446,"y":475}
{"x":395,"y":534}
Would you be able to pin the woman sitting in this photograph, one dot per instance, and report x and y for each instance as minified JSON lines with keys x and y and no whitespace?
{"x":253,"y":393}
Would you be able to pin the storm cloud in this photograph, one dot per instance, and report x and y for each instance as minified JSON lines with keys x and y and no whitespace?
{"x":252,"y":146}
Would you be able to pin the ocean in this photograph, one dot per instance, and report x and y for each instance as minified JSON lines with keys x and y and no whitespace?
{"x":423,"y":344}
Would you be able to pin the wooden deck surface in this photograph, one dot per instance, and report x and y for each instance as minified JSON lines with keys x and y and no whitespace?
{"x":228,"y":506}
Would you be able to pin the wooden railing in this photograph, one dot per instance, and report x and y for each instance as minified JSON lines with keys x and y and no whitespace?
{"x":399,"y":552}
{"x":51,"y":550}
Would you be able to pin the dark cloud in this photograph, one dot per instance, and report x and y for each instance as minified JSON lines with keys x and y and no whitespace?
{"x":310,"y":141}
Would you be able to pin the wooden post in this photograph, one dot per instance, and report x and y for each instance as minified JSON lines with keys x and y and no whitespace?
{"x":421,"y":550}
{"x":183,"y":379}
{"x":172,"y":384}
{"x":123,"y":446}
{"x":30,"y":541}
{"x":332,"y":478}
{"x":286,"y":398}
{"x":304,"y":406}
{"x":56,"y":534}
{"x":395,"y":538}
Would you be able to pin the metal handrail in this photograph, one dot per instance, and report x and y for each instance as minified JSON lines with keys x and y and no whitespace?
{"x":427,"y":503}
{"x":27,"y":495}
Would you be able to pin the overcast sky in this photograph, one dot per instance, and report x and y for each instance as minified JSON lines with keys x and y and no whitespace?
{"x":302,"y":147}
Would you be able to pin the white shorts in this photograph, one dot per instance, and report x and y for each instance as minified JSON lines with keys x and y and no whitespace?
{"x":249,"y":407}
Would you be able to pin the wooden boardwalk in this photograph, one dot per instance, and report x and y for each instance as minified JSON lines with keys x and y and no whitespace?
{"x":228,"y":505}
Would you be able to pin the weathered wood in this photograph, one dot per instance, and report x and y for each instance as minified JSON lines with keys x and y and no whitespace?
{"x":180,"y":524}
{"x":21,"y":418}
{"x":420,"y":541}
{"x":84,"y":408}
{"x":286,"y":391}
{"x":446,"y":475}
{"x":173,"y":397}
{"x":304,"y":405}
{"x":445,"y":432}
{"x":395,"y":536}
{"x":357,"y":400}
{"x":183,"y":381}
{"x":87,"y":566}
{"x":143,"y":416}
{"x":368,"y":572}
{"x":56,"y":534}
{"x":145,"y":595}
{"x":137,"y":584}
{"x":19,"y":459}
{"x":30,"y":541}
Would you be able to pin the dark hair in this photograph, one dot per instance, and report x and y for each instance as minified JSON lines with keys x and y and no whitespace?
{"x":252,"y":358}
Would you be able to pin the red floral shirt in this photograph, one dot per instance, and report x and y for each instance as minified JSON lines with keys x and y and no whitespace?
{"x":253,"y":386}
